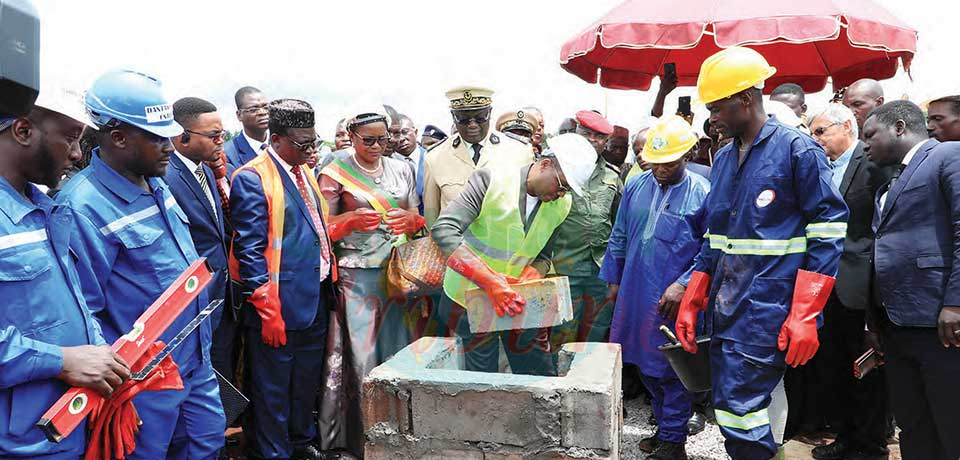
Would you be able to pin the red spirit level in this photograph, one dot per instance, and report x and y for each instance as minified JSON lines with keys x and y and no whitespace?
{"x":64,"y":416}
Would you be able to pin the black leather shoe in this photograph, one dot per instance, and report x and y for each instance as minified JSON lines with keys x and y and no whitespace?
{"x":669,"y":451}
{"x":865,"y":456}
{"x":308,"y":453}
{"x":696,"y":423}
{"x":652,"y":420}
{"x":836,"y":450}
{"x":650,"y":444}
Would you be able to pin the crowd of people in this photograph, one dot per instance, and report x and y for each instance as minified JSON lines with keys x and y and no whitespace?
{"x":781,"y":241}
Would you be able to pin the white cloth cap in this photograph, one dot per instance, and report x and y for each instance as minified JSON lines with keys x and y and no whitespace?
{"x":577,"y":159}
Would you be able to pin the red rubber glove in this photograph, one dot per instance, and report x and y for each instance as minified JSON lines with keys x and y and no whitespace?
{"x":528,"y":274}
{"x":403,"y":222}
{"x":114,"y":423}
{"x":266,"y":300}
{"x":359,"y":220}
{"x":503,"y":299}
{"x":694,"y":301}
{"x":799,"y":331}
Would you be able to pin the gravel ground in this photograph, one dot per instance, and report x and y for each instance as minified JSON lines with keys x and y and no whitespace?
{"x":706,"y":445}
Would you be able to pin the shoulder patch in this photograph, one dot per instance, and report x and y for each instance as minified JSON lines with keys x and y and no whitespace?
{"x":494,"y":139}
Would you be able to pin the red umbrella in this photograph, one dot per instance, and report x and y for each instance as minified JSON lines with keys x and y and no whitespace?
{"x":807,"y":41}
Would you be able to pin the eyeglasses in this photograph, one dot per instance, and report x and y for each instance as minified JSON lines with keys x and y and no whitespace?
{"x":313,"y":144}
{"x":369,"y":141}
{"x":561,"y":188}
{"x":480,"y":118}
{"x":217,"y":136}
{"x":819,"y":131}
{"x":255,"y":109}
{"x":402,"y":133}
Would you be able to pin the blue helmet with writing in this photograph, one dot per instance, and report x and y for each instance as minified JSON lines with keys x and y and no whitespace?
{"x":133,"y":98}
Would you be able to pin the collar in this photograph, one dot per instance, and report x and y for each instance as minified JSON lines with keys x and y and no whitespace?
{"x":413,"y":157}
{"x":191,"y":166}
{"x":118,"y":184}
{"x":847,"y":154}
{"x":769,"y":127}
{"x":286,"y":166}
{"x":910,"y":154}
{"x":16,"y":207}
{"x":255,"y":144}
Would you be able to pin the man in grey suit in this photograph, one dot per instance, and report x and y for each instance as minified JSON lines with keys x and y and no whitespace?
{"x":856,"y":408}
{"x":917,"y":227}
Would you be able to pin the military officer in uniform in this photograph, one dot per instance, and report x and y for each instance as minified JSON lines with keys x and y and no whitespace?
{"x":518,"y":125}
{"x":474,"y":146}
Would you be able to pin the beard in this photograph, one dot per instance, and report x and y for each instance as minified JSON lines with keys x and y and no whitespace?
{"x":47,"y":169}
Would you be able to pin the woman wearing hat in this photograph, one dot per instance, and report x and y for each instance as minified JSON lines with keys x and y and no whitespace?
{"x":374,"y":199}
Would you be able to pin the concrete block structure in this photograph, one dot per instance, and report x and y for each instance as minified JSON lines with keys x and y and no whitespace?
{"x":421,"y":405}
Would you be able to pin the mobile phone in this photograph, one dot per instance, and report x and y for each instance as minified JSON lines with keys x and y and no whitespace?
{"x":866,"y":363}
{"x":670,"y":71}
{"x":683,"y":107}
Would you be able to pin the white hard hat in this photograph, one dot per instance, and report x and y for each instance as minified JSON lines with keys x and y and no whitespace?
{"x":576,"y":157}
{"x":65,"y":102}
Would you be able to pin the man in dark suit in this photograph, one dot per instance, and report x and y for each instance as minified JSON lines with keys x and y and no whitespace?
{"x":403,"y":135}
{"x":252,"y":113}
{"x":193,"y":185}
{"x":917,"y":226}
{"x":856,"y":408}
{"x":286,"y":271}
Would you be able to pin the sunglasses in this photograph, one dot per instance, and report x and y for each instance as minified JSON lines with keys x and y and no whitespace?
{"x":217,"y":136}
{"x":465,"y":120}
{"x":313,"y":144}
{"x":819,"y":131}
{"x":368,"y":141}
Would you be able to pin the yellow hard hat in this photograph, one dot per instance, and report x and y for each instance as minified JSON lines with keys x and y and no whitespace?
{"x":730,"y":71}
{"x":668,"y":140}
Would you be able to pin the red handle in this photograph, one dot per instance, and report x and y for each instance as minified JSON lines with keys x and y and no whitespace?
{"x":66,"y":414}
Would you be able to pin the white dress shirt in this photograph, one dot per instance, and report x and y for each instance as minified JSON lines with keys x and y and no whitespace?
{"x":905,"y":162}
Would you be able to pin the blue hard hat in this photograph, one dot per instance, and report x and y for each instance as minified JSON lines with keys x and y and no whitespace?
{"x":133,"y":98}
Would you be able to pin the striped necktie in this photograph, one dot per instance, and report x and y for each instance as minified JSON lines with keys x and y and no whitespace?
{"x":202,"y":178}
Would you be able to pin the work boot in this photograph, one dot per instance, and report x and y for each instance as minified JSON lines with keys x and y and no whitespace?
{"x":669,"y":451}
{"x":836,"y":450}
{"x":696,"y":423}
{"x":650,"y":444}
{"x":308,"y":452}
{"x":865,"y":456}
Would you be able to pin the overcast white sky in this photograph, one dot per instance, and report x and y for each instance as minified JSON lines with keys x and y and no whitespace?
{"x":342,"y":56}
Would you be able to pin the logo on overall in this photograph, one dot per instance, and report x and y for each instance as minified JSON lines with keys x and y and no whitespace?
{"x":156,"y":113}
{"x":192,"y":283}
{"x":765,"y":198}
{"x":78,"y":404}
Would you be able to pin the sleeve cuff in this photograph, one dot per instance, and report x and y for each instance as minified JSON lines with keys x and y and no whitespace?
{"x":611,"y":270}
{"x":47,"y":360}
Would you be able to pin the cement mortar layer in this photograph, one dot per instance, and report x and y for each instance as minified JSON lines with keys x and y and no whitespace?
{"x":421,"y":405}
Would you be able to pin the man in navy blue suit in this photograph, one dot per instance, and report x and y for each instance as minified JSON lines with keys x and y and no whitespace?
{"x":917,"y":325}
{"x":252,"y":113}
{"x":192,"y":185}
{"x":286,"y":270}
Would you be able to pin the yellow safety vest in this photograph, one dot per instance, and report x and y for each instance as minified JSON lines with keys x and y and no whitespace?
{"x":497,"y":235}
